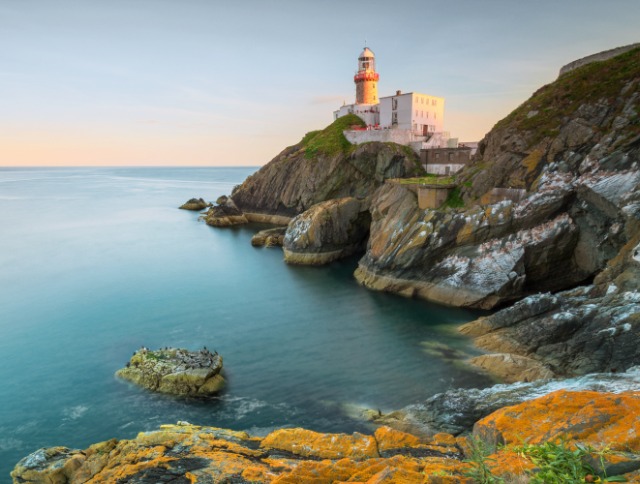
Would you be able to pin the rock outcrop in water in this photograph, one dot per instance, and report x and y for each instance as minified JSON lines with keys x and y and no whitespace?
{"x":188,"y":453}
{"x":195,"y":204}
{"x":224,"y":214}
{"x":326,"y":184}
{"x":269,"y":237}
{"x":175,"y":371}
{"x":327,"y":231}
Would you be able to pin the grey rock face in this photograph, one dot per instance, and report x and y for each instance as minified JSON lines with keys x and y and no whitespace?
{"x":292,"y":182}
{"x":327,"y":231}
{"x":456,"y":411}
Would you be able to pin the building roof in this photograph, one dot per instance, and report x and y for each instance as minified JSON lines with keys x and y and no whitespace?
{"x":367,"y":52}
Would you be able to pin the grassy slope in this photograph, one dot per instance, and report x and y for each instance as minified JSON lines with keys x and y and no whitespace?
{"x":544,"y":112}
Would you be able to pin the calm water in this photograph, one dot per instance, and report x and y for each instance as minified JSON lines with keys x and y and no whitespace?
{"x":95,"y":263}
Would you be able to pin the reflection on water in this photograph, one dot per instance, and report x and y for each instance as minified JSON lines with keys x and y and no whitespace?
{"x":95,"y":263}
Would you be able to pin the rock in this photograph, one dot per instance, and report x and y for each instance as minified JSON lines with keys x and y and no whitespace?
{"x":455,"y":411}
{"x":320,"y":169}
{"x":195,"y":204}
{"x":225,"y":214}
{"x":603,"y":426}
{"x":578,"y":161}
{"x":269,"y":237}
{"x":512,"y":368}
{"x":188,"y":453}
{"x":327,"y":231}
{"x":593,"y":418}
{"x":175,"y":371}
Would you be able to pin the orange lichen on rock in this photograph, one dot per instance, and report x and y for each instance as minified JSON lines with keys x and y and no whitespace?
{"x":389,"y":438}
{"x":291,"y":456}
{"x":593,"y":418}
{"x":307,"y":443}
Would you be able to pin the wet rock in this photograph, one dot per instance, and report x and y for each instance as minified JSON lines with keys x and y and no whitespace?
{"x":195,"y":204}
{"x":455,"y":411}
{"x":175,"y":371}
{"x":327,"y":231}
{"x":269,"y":238}
{"x":225,"y":214}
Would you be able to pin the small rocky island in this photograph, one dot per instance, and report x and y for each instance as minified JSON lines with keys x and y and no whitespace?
{"x":175,"y":371}
{"x":195,"y":204}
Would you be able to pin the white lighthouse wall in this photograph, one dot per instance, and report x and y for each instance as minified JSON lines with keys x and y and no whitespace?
{"x":413,"y":112}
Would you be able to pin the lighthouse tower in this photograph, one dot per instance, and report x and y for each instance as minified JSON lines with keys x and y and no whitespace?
{"x":366,"y":78}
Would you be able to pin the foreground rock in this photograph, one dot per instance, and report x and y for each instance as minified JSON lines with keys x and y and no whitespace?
{"x":225,"y":214}
{"x":175,"y":371}
{"x":188,"y":453}
{"x":456,"y":411}
{"x":326,"y":232}
{"x":269,"y":237}
{"x":195,"y":204}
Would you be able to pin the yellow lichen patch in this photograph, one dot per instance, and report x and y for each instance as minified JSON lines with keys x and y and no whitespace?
{"x":325,"y":446}
{"x":532,"y":161}
{"x":589,"y":417}
{"x":389,"y":438}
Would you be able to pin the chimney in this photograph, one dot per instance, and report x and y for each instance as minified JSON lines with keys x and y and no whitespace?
{"x":398,"y":93}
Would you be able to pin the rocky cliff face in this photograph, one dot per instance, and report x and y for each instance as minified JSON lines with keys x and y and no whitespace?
{"x":574,"y":149}
{"x":321,"y":167}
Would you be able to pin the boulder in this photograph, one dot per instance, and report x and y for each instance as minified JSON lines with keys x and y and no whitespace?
{"x":175,"y":371}
{"x":327,"y":231}
{"x":195,"y":204}
{"x":456,"y":411}
{"x":225,"y":214}
{"x":269,"y":237}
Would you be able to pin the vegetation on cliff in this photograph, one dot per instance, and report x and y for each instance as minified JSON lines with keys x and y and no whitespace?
{"x":331,"y":140}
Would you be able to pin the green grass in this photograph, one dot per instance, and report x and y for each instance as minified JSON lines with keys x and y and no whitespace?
{"x":559,"y":463}
{"x":330,"y":141}
{"x":588,"y":84}
{"x":454,"y":199}
{"x":428,"y":180}
{"x":479,"y":458}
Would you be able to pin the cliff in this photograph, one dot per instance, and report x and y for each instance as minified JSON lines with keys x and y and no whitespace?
{"x":323,"y":166}
{"x":560,"y":437}
{"x":571,"y":151}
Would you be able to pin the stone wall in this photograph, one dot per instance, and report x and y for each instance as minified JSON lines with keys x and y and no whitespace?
{"x":400,"y":136}
{"x":600,"y":56}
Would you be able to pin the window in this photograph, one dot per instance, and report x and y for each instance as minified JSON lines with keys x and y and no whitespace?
{"x":416,"y":113}
{"x":394,"y":104}
{"x":394,"y":118}
{"x":434,"y":102}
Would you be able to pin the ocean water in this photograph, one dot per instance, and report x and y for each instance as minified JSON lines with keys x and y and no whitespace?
{"x":95,"y":262}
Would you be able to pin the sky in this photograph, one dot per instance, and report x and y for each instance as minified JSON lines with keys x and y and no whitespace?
{"x":207,"y":82}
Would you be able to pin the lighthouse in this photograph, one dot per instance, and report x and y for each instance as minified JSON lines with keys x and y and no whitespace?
{"x":366,"y":78}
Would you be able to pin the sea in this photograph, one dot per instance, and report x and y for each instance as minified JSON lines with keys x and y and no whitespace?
{"x":97,"y":262}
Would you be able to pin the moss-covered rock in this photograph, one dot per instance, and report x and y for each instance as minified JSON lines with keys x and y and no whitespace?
{"x":175,"y":371}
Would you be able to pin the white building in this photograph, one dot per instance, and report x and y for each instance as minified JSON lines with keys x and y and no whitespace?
{"x":411,"y":119}
{"x":420,"y":113}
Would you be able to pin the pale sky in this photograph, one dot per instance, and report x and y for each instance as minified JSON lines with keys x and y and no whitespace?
{"x":203,"y":82}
